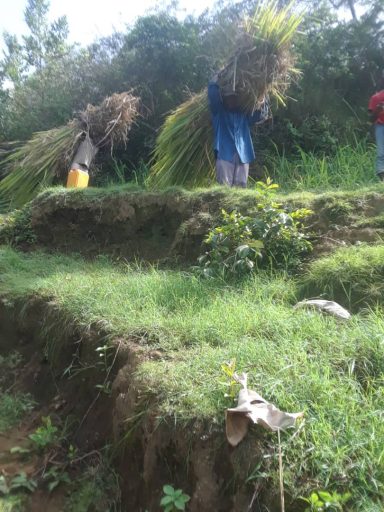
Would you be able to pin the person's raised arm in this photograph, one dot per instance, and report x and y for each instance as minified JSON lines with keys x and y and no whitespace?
{"x":260,"y":115}
{"x":214,"y":96}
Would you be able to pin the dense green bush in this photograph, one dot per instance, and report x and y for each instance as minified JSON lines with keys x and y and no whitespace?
{"x":272,"y":238}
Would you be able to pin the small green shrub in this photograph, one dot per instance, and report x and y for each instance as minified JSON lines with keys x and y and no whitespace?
{"x":173,"y":499}
{"x":321,"y":501}
{"x":273,"y":238}
{"x":54,"y":477}
{"x":46,"y":435}
{"x":22,"y":482}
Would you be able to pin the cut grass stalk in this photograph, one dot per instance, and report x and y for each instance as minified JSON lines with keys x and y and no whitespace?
{"x":35,"y":165}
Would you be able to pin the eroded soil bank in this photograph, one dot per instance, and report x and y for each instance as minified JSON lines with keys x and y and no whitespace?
{"x":61,"y":369}
{"x":155,"y":226}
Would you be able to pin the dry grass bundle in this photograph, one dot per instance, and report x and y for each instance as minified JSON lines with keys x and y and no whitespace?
{"x":261,"y":65}
{"x":110,"y":122}
{"x":47,"y":156}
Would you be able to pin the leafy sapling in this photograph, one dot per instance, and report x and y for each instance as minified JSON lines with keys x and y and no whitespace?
{"x":173,"y":499}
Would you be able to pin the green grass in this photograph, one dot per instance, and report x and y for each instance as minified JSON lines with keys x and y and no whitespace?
{"x":373,"y":222}
{"x":350,"y":167}
{"x":299,"y":360}
{"x":13,"y":405}
{"x":12,"y":408}
{"x":13,"y":503}
{"x":222,"y":197}
{"x":353,"y":276}
{"x":96,"y":489}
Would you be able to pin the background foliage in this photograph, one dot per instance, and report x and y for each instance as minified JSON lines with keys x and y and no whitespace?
{"x":164,"y":57}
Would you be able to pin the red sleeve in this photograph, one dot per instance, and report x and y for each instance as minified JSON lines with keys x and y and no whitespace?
{"x":372,"y":103}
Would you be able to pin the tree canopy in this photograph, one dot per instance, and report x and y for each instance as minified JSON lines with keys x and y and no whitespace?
{"x":164,"y":58}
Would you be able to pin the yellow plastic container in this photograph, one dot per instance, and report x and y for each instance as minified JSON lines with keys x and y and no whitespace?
{"x":77,"y":179}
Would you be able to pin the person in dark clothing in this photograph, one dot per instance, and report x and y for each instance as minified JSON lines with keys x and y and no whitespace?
{"x":232,"y":136}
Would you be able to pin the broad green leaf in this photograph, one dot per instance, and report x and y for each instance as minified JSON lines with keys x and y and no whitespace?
{"x":166,"y":500}
{"x":168,"y":489}
{"x":179,"y":504}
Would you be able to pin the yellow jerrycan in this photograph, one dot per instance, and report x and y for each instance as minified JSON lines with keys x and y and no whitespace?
{"x":77,"y":179}
{"x":78,"y":176}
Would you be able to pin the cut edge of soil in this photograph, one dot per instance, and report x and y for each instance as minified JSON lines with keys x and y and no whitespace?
{"x":147,"y":454}
{"x":172,"y":225}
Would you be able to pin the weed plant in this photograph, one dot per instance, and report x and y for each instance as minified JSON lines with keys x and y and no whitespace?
{"x":13,"y":406}
{"x":298,"y":360}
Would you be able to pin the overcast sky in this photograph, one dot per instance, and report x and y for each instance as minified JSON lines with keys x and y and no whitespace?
{"x":89,"y":19}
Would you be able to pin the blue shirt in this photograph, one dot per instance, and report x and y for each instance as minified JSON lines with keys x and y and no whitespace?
{"x":231,"y":129}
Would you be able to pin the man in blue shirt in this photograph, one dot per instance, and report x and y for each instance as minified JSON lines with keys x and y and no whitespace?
{"x":232,"y":136}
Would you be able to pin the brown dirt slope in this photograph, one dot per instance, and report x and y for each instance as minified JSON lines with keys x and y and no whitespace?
{"x":146,"y":454}
{"x":171,"y":225}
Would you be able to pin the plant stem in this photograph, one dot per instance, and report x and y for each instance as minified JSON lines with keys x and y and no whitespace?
{"x":281,"y":473}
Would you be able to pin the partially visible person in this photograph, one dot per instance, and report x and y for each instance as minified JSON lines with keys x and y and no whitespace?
{"x":233,"y":145}
{"x":376,"y":109}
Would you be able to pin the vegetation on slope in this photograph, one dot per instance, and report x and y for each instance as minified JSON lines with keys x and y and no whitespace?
{"x":199,"y":324}
{"x":353,"y":276}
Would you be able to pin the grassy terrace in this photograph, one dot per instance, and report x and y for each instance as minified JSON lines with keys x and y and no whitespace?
{"x":298,"y":360}
{"x":231,"y":196}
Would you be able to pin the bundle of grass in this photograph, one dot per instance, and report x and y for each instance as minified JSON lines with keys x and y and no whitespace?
{"x":46,"y":157}
{"x":183,"y":153}
{"x":262,"y":65}
{"x":110,"y":122}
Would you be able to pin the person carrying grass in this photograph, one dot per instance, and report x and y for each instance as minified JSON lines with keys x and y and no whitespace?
{"x":376,"y":109}
{"x":233,"y":145}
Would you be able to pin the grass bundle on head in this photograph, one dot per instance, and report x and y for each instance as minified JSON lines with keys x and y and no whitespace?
{"x":47,"y":156}
{"x":110,"y":122}
{"x":262,"y":65}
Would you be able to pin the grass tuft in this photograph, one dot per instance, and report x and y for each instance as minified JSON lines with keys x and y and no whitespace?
{"x":349,"y":168}
{"x":12,"y":408}
{"x":352,"y":276}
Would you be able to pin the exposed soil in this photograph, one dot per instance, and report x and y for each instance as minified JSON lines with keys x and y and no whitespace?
{"x":162,"y":226}
{"x":148,"y":455}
